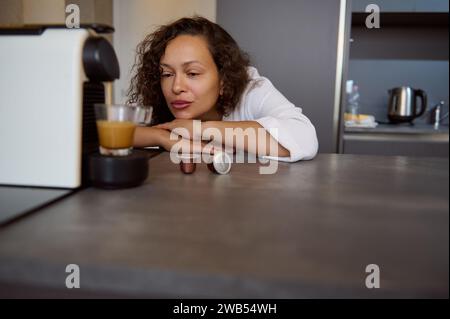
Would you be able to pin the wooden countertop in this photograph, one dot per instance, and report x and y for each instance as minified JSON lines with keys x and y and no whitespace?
{"x":309,"y":230}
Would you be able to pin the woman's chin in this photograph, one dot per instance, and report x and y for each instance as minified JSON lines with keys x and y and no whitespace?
{"x":184,"y":115}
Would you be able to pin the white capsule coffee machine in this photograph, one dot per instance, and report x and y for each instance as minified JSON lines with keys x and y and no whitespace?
{"x":50,"y":79}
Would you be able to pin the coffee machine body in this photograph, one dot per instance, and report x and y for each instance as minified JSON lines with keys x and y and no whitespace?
{"x":50,"y":78}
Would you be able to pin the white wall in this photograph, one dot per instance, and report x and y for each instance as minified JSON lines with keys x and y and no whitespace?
{"x":97,"y":11}
{"x":134,"y":19}
{"x":11,"y":12}
{"x":44,"y":11}
{"x":16,"y":12}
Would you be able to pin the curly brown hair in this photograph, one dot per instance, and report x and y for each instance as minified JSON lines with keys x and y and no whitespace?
{"x":231,"y":61}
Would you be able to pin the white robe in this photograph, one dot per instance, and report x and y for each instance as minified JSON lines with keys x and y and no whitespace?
{"x":263,"y":103}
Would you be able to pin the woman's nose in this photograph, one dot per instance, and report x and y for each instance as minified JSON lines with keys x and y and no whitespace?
{"x":178,"y":85}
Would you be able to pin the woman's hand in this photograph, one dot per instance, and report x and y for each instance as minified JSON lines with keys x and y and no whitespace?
{"x":188,"y":129}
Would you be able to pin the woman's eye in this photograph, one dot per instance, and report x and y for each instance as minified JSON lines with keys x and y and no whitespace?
{"x":166,"y":75}
{"x":193,"y":74}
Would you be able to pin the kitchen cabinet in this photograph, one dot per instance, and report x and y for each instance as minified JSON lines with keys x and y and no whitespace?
{"x":393,"y":145}
{"x":402,"y":5}
{"x":417,"y":140}
{"x":431,"y":6}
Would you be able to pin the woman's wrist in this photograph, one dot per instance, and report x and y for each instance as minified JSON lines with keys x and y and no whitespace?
{"x":212,"y":124}
{"x":148,"y":136}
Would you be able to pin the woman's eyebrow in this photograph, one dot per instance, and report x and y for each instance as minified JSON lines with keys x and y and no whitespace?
{"x":190,"y":62}
{"x":184,"y":64}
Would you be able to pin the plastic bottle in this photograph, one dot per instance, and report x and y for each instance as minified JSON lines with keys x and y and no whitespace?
{"x":353,"y":103}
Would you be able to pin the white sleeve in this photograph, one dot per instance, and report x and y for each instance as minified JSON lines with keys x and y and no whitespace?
{"x":294,"y":131}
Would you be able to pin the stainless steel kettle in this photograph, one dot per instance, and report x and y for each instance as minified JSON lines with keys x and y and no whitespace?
{"x":403,"y":104}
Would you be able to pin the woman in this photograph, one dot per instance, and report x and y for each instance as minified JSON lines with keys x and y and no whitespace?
{"x":192,"y":69}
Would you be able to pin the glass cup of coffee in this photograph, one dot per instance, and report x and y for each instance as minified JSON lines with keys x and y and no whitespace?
{"x":116,"y":125}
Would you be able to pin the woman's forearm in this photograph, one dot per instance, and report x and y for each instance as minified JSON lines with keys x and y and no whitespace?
{"x":254,"y":137}
{"x":147,"y":136}
{"x":151,"y":136}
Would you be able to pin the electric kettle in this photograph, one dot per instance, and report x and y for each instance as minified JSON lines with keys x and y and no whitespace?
{"x":403,"y":106}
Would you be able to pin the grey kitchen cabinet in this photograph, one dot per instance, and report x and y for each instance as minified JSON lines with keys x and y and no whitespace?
{"x":422,"y":140}
{"x":436,"y":145}
{"x":431,"y":5}
{"x":385,"y":5}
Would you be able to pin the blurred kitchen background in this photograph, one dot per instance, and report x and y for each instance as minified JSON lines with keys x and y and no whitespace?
{"x":310,"y":50}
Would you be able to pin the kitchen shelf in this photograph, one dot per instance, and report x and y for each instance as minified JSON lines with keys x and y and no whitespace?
{"x":404,"y":19}
{"x":400,"y":129}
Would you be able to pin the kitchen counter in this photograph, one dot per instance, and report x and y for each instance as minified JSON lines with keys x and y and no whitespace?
{"x":309,"y":230}
{"x":420,"y":140}
{"x":401,"y":129}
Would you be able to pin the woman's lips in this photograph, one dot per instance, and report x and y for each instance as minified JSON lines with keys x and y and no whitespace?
{"x":180,"y":104}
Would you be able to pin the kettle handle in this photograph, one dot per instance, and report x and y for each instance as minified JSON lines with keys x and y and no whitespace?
{"x":423,"y":107}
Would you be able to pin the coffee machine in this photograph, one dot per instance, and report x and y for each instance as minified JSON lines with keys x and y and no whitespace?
{"x":50,"y":79}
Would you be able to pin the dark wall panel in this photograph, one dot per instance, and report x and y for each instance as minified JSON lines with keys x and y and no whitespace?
{"x":294,"y":44}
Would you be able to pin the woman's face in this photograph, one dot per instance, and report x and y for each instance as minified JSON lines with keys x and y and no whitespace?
{"x":190,"y":79}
